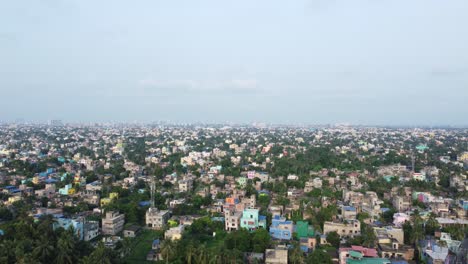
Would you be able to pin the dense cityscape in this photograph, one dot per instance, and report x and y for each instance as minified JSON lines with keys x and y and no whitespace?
{"x":161,"y":193}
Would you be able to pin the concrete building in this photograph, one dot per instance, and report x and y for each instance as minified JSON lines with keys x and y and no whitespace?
{"x":251,"y":219}
{"x":174,"y":233}
{"x":346,"y":229}
{"x":185,"y":185}
{"x":387,"y":235}
{"x":156,"y":219}
{"x":112,"y":223}
{"x":232,"y":219}
{"x":402,"y":203}
{"x":131,"y":231}
{"x":348,"y":213}
{"x":279,"y":255}
{"x":400,"y":218}
{"x":281,"y":228}
{"x":91,"y":230}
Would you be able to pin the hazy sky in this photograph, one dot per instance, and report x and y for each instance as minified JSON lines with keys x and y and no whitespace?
{"x":315,"y":61}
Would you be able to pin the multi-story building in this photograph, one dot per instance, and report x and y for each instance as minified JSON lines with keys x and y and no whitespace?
{"x":306,"y":235}
{"x":66,"y":223}
{"x":251,"y":219}
{"x":349,"y":228}
{"x":185,"y":185}
{"x":348,"y":212}
{"x":281,"y":228}
{"x":91,"y":230}
{"x":232,"y":219}
{"x":112,"y":223}
{"x":156,"y":219}
{"x":402,"y":203}
{"x":386,"y":235}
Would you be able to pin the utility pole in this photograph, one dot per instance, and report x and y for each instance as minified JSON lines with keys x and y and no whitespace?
{"x":152,"y":190}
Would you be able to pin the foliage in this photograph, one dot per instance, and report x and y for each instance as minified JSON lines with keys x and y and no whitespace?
{"x":334,"y":239}
{"x":319,"y":256}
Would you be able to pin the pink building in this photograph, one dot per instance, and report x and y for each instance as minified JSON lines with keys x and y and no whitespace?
{"x":366,"y":252}
{"x":400,"y":218}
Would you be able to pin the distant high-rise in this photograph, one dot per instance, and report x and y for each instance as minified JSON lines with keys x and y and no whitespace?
{"x":55,"y":122}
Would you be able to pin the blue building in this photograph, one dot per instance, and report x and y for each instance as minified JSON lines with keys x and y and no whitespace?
{"x":281,"y":228}
{"x":464,"y":204}
{"x":251,"y":219}
{"x":67,"y":223}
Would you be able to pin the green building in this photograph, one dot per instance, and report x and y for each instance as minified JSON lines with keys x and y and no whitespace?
{"x":303,"y":229}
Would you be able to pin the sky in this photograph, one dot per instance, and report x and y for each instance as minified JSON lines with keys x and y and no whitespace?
{"x":371,"y":62}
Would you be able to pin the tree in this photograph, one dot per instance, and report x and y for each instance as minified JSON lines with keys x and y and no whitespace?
{"x":334,"y":239}
{"x":65,"y":247}
{"x":407,"y":231}
{"x":190,"y":253}
{"x":368,"y":236}
{"x":417,"y":231}
{"x":44,"y":250}
{"x":201,"y":255}
{"x":261,"y":240}
{"x":167,"y":250}
{"x":319,"y":256}
{"x":431,"y":225}
{"x":295,"y":254}
{"x":101,"y":255}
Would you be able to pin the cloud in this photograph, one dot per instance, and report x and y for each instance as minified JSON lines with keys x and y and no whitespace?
{"x":240,"y":86}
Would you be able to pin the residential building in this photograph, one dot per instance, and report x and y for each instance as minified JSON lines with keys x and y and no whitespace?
{"x":131,"y":231}
{"x":346,"y":229}
{"x":232,"y":219}
{"x":251,"y":219}
{"x":185,"y":185}
{"x":174,"y":233}
{"x":156,"y":219}
{"x":281,"y":228}
{"x":348,"y":213}
{"x":386,"y":235}
{"x":112,"y":223}
{"x":279,"y":255}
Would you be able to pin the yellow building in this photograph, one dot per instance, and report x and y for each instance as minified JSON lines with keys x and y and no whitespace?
{"x":13,"y":199}
{"x":463,"y":156}
{"x":35,"y":180}
{"x":112,"y":196}
{"x":105,"y":201}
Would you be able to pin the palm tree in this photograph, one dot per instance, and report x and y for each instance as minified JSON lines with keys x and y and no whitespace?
{"x":202,"y":255}
{"x":431,"y":224}
{"x":66,"y":247}
{"x":296,"y":255}
{"x":28,"y":259}
{"x":125,"y":249}
{"x":167,"y":249}
{"x":215,"y":258}
{"x":6,"y":251}
{"x":190,"y":253}
{"x":44,"y":250}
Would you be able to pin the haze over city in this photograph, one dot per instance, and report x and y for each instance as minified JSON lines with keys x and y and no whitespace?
{"x":318,"y":61}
